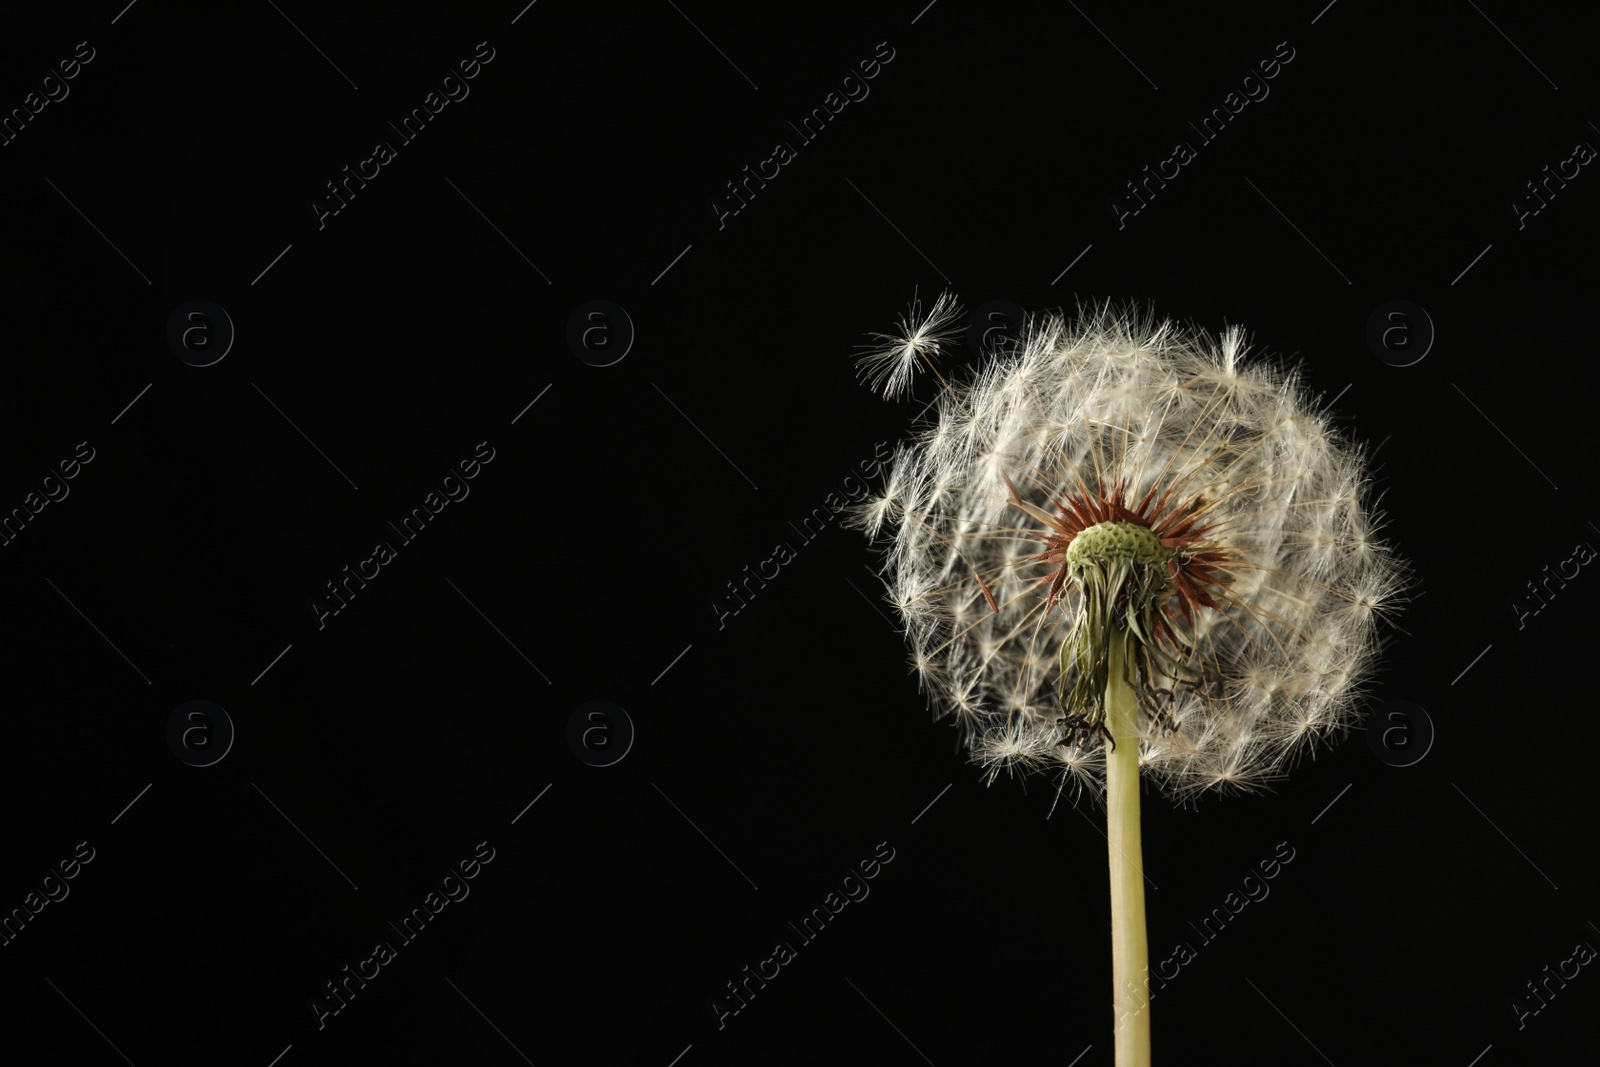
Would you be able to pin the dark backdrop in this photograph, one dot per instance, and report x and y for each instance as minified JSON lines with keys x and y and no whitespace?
{"x":427,"y":327}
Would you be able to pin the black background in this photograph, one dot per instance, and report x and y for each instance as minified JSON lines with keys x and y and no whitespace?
{"x":777,"y":750}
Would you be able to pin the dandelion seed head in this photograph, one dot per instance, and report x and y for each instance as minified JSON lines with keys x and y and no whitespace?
{"x":1124,"y":471}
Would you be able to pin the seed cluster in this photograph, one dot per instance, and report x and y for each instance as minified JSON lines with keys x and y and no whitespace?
{"x":1119,"y":473}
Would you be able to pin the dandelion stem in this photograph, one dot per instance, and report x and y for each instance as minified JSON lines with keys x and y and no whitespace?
{"x":1129,"y":952}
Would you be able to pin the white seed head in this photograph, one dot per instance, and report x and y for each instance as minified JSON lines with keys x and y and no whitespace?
{"x":1253,"y":591}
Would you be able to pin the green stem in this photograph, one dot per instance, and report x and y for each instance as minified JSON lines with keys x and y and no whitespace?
{"x":1130,"y":961}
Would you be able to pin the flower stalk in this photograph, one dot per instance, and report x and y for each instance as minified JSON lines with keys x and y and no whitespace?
{"x":1130,"y":956}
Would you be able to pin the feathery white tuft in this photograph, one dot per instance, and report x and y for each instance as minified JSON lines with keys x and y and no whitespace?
{"x":890,"y":365}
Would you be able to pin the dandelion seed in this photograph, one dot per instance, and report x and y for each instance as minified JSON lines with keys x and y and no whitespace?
{"x":1130,"y":547}
{"x":890,"y":365}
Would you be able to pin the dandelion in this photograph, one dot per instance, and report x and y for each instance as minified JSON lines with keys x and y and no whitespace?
{"x":1123,"y":547}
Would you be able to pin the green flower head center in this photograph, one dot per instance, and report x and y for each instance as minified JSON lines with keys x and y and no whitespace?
{"x":1120,"y":569}
{"x":1115,"y":542}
